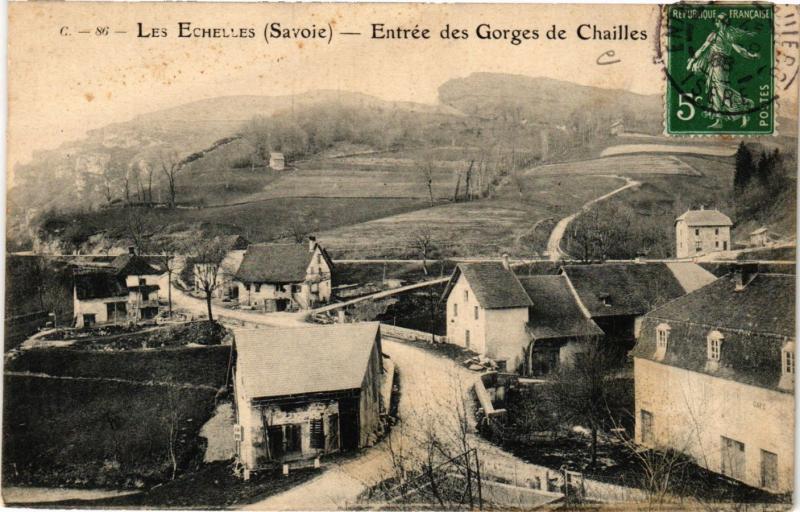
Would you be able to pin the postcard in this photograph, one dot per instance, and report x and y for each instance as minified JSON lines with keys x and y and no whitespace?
{"x":318,"y":256}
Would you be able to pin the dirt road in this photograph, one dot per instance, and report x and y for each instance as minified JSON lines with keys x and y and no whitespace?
{"x":554,"y":242}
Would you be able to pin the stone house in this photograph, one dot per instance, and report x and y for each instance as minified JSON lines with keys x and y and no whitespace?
{"x":125,"y":292}
{"x":714,"y":378}
{"x":702,"y":231}
{"x":759,"y":238}
{"x":281,"y":277}
{"x":290,"y":409}
{"x":487,"y":312}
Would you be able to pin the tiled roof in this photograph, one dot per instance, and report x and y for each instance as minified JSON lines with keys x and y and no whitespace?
{"x":274,"y":263}
{"x":691,"y":276}
{"x":234,"y":242}
{"x":555,"y":314}
{"x":705,"y":218}
{"x":273,"y":362}
{"x":755,"y":323}
{"x":99,"y":285}
{"x":623,"y":289}
{"x":494,"y":286}
{"x":134,"y":265}
{"x":758,"y":231}
{"x":231,"y":262}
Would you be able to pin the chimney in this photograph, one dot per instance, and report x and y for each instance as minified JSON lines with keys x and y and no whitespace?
{"x":312,"y":243}
{"x":506,"y":264}
{"x":743,"y":275}
{"x":131,"y":250}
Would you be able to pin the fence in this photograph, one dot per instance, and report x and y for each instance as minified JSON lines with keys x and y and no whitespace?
{"x":404,"y":333}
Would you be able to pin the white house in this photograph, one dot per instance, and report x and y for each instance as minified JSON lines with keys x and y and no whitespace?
{"x":126,"y":292}
{"x":487,"y":312}
{"x":759,"y":237}
{"x":702,"y":231}
{"x":277,"y":161}
{"x":280,"y":277}
{"x":304,"y":392}
{"x":714,"y":378}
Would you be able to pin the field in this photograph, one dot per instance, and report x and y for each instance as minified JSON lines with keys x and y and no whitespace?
{"x":100,"y":432}
{"x":706,"y":150}
{"x":486,"y":227}
{"x":619,"y":165}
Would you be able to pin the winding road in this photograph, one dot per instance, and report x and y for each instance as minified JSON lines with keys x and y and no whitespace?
{"x":554,"y":242}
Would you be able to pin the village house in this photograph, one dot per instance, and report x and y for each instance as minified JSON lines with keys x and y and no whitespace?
{"x":277,"y":161}
{"x":702,"y":231}
{"x":281,"y":277}
{"x":534,"y":325}
{"x":759,"y":238}
{"x":617,"y":295}
{"x":226,"y":287}
{"x":487,"y":312}
{"x":714,"y":374}
{"x":125,"y":292}
{"x":289,"y":408}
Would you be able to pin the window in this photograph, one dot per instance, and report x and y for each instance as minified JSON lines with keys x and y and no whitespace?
{"x":466,"y":338}
{"x":319,"y":259}
{"x":476,"y":312}
{"x":769,"y":470}
{"x":662,"y":338}
{"x":332,"y":437}
{"x":295,"y":288}
{"x":142,"y":281}
{"x":698,"y":246}
{"x":733,"y":461}
{"x":696,"y":232}
{"x":714,"y":340}
{"x":257,"y":288}
{"x":466,"y":295}
{"x":648,"y":437}
{"x":292,"y":438}
{"x":788,"y":359}
{"x":716,"y":244}
{"x":317,"y":434}
{"x":455,"y":309}
{"x":716,"y":231}
{"x":88,"y":319}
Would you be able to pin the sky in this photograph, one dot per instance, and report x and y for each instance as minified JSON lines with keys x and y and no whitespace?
{"x":60,"y":85}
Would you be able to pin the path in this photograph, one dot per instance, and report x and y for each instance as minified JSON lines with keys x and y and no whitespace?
{"x":432,"y":388}
{"x":554,"y":242}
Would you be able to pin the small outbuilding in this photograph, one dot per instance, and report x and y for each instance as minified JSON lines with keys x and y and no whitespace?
{"x":276,"y":161}
{"x":304,"y":392}
{"x":759,"y":237}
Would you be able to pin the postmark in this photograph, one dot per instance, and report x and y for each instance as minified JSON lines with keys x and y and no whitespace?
{"x":720,"y":69}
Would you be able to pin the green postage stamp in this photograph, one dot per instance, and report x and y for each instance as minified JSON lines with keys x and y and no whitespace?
{"x":720,"y":63}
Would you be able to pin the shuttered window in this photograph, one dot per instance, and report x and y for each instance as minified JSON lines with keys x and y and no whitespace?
{"x":317,"y":434}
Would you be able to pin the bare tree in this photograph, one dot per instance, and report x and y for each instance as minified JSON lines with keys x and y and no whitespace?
{"x":424,"y":243}
{"x":426,"y":170}
{"x":171,"y":165}
{"x":142,"y":227}
{"x":299,"y":227}
{"x":580,"y":391}
{"x":207,"y":257}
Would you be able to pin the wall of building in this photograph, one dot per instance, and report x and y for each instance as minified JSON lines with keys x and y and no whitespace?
{"x":249,"y":296}
{"x":457,"y":325}
{"x":506,"y":338}
{"x":692,"y":411}
{"x":712,"y":239}
{"x":370,"y":400}
{"x":98,"y":308}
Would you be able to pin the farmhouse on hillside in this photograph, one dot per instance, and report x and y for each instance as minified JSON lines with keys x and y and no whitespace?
{"x":303,"y":392}
{"x":126,"y":292}
{"x":235,"y":247}
{"x":277,"y":161}
{"x":533,"y":325}
{"x":759,"y":238}
{"x":714,"y":374}
{"x":702,"y":231}
{"x":281,"y":277}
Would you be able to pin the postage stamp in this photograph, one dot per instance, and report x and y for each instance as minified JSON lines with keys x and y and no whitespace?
{"x":720,"y":64}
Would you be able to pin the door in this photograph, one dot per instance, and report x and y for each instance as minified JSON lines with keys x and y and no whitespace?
{"x":88,"y":320}
{"x":733,"y":461}
{"x":275,"y":434}
{"x":349,"y":427}
{"x":724,"y":246}
{"x":769,"y":470}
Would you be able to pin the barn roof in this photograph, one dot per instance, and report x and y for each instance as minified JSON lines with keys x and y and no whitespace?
{"x":623,"y":289}
{"x":705,"y":218}
{"x":274,"y":263}
{"x":758,"y":231}
{"x":275,"y":362}
{"x":494,"y":286}
{"x":134,"y":265}
{"x":756,"y":322}
{"x":555,"y":313}
{"x":98,"y":285}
